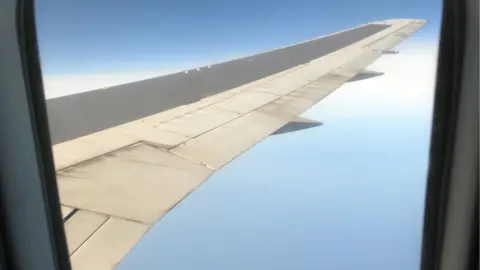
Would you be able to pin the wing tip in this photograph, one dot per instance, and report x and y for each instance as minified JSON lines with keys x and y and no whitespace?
{"x":393,"y":21}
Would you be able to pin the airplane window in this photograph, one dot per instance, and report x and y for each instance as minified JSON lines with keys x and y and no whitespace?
{"x":240,"y":134}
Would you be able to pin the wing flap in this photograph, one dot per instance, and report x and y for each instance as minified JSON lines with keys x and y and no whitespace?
{"x":108,"y":245}
{"x":81,"y":226}
{"x":199,"y":121}
{"x":246,"y":101}
{"x":221,"y":145}
{"x":140,"y":182}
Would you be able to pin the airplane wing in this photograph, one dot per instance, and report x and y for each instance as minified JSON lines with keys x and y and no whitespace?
{"x":127,"y":155}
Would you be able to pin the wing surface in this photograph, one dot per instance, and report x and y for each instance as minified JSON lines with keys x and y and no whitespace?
{"x":115,"y":183}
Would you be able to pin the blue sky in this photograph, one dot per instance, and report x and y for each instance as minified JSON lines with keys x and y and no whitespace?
{"x":346,"y":195}
{"x":85,"y":37}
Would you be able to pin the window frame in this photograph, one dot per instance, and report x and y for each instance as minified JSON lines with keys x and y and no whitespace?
{"x":31,"y":225}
